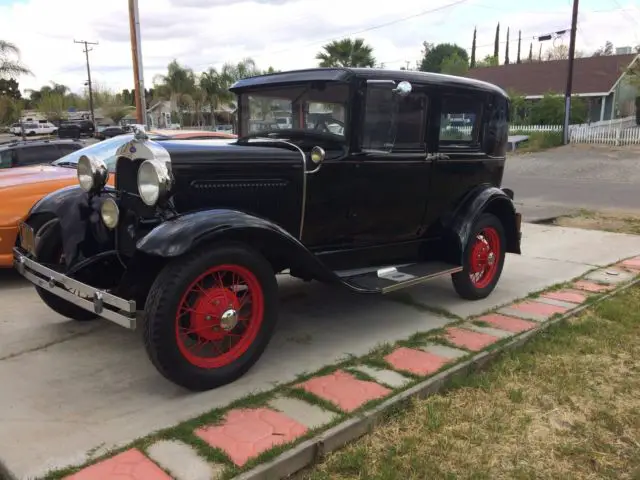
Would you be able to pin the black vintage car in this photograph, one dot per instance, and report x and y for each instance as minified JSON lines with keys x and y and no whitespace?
{"x":380,"y":192}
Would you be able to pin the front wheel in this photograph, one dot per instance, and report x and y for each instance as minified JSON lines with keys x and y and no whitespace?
{"x":210,"y":315}
{"x":483,"y":259}
{"x":49,"y":251}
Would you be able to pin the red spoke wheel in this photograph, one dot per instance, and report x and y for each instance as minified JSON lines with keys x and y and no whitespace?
{"x":210,"y":315}
{"x":483,"y":259}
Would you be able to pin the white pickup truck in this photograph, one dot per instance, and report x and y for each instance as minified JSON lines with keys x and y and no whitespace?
{"x":34,"y":128}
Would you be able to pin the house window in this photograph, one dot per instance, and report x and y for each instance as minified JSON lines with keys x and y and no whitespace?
{"x":460,"y":121}
{"x":398,"y":124}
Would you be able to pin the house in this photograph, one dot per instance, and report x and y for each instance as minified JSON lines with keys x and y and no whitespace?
{"x":159,"y":115}
{"x":601,"y":80}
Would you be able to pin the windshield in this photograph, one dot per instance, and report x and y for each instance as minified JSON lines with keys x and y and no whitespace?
{"x":104,"y":150}
{"x":318,"y":108}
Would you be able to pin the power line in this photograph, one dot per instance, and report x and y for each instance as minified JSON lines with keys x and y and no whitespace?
{"x":86,"y":52}
{"x":364,"y":30}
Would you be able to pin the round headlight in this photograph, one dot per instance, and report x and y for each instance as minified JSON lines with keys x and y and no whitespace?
{"x":154,"y":181}
{"x":92,"y":174}
{"x":110,"y":213}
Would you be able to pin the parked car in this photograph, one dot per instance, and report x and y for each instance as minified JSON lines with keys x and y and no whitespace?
{"x":34,"y":128}
{"x":22,"y":186}
{"x":109,"y":132}
{"x":76,"y":129}
{"x":34,"y":152}
{"x":193,"y":233}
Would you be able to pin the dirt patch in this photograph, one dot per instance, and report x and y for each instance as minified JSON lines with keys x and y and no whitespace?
{"x":619,"y":222}
{"x":565,"y":406}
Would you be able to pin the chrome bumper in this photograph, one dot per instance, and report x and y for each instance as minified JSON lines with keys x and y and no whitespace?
{"x":116,"y":309}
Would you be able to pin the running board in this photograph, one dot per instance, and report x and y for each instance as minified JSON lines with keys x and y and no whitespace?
{"x":390,"y":279}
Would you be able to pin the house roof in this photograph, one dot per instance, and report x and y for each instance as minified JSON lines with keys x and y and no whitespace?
{"x":590,"y":75}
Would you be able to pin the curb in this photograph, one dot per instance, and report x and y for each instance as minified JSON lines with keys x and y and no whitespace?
{"x":309,"y":451}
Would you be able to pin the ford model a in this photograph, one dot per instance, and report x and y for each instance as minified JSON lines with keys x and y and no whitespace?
{"x":375,"y":180}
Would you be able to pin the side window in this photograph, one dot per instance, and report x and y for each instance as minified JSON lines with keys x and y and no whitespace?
{"x":460,"y":121}
{"x":396,"y":124}
{"x":6,"y":159}
{"x":37,"y":155}
{"x":67,"y":148}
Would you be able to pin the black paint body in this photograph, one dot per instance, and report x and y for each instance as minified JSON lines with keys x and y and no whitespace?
{"x":357,"y":210}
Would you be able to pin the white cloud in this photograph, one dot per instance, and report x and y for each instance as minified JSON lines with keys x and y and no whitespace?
{"x":285,"y":34}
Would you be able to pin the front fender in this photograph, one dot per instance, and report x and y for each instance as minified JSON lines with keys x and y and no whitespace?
{"x":483,"y":199}
{"x":184,"y":233}
{"x":76,"y":211}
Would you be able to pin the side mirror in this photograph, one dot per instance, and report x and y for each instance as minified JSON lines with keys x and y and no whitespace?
{"x":403,"y":89}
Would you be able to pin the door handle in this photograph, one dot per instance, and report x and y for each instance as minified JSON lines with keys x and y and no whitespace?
{"x":436,"y":156}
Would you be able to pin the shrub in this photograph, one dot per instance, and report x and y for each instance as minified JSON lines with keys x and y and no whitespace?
{"x":539,"y":140}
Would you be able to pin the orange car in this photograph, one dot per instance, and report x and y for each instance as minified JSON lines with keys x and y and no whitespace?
{"x":22,"y":187}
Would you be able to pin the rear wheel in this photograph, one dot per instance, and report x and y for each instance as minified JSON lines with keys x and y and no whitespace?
{"x":210,"y":315}
{"x":49,"y":251}
{"x":483,"y":259}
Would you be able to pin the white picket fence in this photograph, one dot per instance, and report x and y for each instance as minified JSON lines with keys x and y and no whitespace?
{"x":611,"y":136}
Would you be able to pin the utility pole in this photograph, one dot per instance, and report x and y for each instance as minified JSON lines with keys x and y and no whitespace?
{"x":567,"y":92}
{"x":86,"y":51}
{"x":136,"y":53}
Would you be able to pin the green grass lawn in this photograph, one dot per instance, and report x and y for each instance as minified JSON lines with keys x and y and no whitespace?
{"x":564,"y":406}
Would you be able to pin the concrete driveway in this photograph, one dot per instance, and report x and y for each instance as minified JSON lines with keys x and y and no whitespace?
{"x":71,"y":390}
{"x":562,"y":180}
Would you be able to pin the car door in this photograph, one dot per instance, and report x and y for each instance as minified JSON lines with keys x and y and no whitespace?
{"x":391,"y":174}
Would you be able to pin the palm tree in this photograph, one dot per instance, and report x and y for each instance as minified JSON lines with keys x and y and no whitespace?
{"x":10,"y":67}
{"x":177,"y":83}
{"x":346,"y":53}
{"x":215,"y":87}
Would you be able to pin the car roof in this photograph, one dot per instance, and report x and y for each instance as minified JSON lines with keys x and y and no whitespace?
{"x":35,"y":143}
{"x":346,"y":74}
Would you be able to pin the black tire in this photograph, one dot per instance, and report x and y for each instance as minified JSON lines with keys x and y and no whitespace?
{"x":165,"y":298}
{"x":464,"y":286}
{"x":50,"y":251}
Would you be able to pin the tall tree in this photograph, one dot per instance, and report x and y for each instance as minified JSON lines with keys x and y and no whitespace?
{"x":176,"y":86}
{"x":473,"y":48}
{"x":607,"y":49}
{"x":496,"y":44}
{"x":346,"y":53}
{"x":531,"y":52}
{"x":506,"y":52}
{"x":215,"y":86}
{"x":10,"y":88}
{"x":519,"y":45}
{"x":435,"y":55}
{"x":454,"y":65}
{"x":10,"y":64}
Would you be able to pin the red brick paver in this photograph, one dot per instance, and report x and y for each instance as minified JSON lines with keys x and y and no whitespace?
{"x":246,"y":433}
{"x":592,"y":287}
{"x":571,"y":296}
{"x":415,"y":361}
{"x":632,"y":263}
{"x":344,"y":390}
{"x":509,"y":324}
{"x":537,"y":308}
{"x":469,"y":339}
{"x":128,"y":465}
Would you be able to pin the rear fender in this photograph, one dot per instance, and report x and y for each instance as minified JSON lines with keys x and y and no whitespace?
{"x":185,"y":233}
{"x":483,"y":199}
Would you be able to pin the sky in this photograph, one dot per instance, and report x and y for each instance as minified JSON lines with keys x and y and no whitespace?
{"x":284,"y":34}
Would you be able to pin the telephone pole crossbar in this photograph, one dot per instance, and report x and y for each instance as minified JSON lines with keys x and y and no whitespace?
{"x":86,"y":52}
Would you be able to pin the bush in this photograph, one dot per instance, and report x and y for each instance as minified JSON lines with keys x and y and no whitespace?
{"x":539,"y":140}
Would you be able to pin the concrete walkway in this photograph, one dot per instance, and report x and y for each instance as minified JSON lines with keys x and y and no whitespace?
{"x":75,"y":389}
